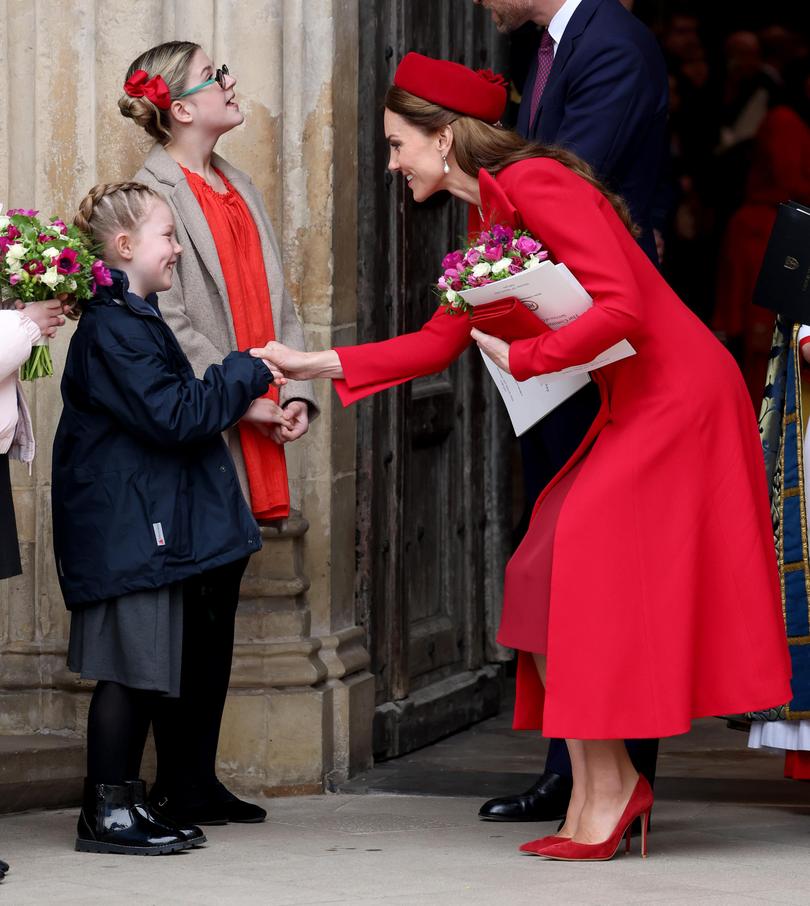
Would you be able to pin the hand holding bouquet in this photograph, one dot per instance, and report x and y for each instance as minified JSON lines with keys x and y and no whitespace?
{"x":40,"y":261}
{"x":492,"y":255}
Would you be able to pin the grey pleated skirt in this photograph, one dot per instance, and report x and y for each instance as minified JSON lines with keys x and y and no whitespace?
{"x":135,"y":640}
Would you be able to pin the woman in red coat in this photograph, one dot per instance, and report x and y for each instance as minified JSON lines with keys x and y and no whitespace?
{"x":650,"y":555}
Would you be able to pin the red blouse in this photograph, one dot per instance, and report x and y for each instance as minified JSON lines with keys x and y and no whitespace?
{"x":242,"y":260}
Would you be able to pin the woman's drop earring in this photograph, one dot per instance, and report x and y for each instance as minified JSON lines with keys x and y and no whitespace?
{"x":446,"y":165}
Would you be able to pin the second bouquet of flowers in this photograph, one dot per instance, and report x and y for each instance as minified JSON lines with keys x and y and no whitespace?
{"x":41,"y":260}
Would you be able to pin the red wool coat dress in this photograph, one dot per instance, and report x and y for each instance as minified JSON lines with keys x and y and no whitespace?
{"x":664,"y":597}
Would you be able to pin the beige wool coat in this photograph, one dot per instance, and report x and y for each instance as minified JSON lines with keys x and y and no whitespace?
{"x":196,"y":307}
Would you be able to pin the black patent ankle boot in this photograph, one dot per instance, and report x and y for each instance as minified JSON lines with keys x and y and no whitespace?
{"x":109,"y":823}
{"x":190,"y":832}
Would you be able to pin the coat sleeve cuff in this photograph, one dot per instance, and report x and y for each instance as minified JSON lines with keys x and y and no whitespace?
{"x":33,"y":331}
{"x":520,"y":364}
{"x":300,"y":390}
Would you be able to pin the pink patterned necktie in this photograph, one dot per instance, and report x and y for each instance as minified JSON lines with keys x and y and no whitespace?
{"x":545,"y":60}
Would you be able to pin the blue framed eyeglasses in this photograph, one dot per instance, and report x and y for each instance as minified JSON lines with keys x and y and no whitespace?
{"x":218,"y":77}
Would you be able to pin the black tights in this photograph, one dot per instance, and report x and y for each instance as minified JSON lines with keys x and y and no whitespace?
{"x":186,"y":729}
{"x":117,"y":724}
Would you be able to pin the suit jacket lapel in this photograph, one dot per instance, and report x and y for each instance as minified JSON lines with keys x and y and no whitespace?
{"x":524,"y":124}
{"x":577,"y":24}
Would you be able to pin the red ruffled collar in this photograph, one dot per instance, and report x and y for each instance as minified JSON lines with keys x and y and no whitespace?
{"x":226,"y":197}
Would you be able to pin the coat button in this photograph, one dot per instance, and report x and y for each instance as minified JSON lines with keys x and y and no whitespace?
{"x":222,"y":468}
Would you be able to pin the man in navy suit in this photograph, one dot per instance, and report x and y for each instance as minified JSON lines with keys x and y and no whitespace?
{"x":597,"y":86}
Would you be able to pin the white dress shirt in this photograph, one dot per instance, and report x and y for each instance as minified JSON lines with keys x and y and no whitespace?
{"x":560,"y":20}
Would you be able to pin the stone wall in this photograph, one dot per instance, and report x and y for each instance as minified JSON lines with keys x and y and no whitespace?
{"x":301,"y":701}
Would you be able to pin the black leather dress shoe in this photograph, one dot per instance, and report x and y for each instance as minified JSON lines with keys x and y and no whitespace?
{"x":3,"y":869}
{"x":211,"y":804}
{"x":545,"y":800}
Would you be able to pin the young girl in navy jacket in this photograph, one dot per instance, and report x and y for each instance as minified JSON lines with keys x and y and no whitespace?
{"x":150,"y":525}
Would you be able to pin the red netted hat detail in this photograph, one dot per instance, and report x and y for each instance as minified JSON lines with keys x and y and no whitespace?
{"x":480,"y":94}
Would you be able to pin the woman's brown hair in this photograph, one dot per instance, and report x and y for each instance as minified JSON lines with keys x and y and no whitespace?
{"x":481,"y":146}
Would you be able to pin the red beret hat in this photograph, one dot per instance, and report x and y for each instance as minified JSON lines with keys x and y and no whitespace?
{"x":480,"y":94}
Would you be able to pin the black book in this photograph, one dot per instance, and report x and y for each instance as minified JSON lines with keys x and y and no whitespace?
{"x":783,"y":284}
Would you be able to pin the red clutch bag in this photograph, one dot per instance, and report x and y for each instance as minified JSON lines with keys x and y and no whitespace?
{"x":508,"y":319}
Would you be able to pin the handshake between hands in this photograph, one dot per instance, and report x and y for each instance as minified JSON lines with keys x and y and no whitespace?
{"x":280,"y":423}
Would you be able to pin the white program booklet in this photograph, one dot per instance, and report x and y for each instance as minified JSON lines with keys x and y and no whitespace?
{"x":529,"y":401}
{"x":555,"y":295}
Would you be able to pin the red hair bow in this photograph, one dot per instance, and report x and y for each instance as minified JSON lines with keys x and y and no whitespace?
{"x":493,"y":77}
{"x":139,"y":85}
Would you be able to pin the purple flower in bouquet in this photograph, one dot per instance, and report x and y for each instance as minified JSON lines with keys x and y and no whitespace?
{"x":60,"y":225}
{"x":14,"y":279}
{"x":527,"y":246}
{"x":452,"y":259}
{"x":25,"y":212}
{"x":67,"y":262}
{"x":502,"y":233}
{"x":101,"y":274}
{"x":34,"y":267}
{"x":5,"y":242}
{"x":44,"y":238}
{"x":492,"y":255}
{"x":12,"y":232}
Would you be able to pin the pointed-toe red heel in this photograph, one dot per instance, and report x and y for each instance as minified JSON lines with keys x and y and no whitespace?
{"x":534,"y":847}
{"x":639,"y":806}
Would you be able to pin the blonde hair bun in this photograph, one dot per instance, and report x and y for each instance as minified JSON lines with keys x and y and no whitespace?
{"x":171,"y":61}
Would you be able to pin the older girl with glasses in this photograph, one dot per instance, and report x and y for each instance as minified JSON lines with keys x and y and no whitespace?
{"x":228,"y":294}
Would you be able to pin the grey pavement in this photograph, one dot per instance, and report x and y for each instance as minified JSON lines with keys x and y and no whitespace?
{"x":727,"y":830}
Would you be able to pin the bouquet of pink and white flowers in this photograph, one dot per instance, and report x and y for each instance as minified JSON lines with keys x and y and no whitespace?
{"x":41,"y":260}
{"x":492,"y":255}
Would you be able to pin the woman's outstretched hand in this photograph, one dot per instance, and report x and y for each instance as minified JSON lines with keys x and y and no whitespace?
{"x":290,"y":362}
{"x":278,"y":377}
{"x":300,"y":366}
{"x":493,"y":347}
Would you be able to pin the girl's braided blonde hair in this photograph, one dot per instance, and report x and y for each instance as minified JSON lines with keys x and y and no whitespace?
{"x":111,"y":208}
